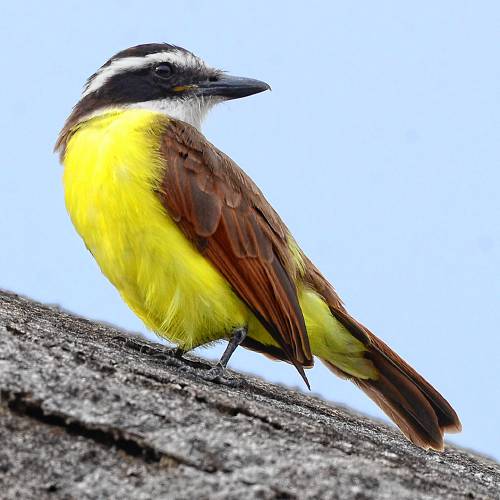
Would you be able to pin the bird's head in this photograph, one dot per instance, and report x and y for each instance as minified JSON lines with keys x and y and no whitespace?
{"x":163,"y":78}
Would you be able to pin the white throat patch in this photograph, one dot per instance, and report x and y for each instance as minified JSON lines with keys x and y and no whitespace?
{"x":192,"y":110}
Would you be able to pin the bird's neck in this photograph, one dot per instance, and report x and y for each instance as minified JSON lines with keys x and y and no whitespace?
{"x":191,"y":111}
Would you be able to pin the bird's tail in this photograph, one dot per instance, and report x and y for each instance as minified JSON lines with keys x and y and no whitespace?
{"x":421,"y":413}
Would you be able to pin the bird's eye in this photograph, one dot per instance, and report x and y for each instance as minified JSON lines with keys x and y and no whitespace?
{"x":164,"y":70}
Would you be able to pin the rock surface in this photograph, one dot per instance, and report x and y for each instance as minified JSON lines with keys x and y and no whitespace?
{"x":88,"y":411}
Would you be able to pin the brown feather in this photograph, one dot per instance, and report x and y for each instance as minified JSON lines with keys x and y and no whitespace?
{"x":220,"y":209}
{"x":421,"y":413}
{"x":228,"y":219}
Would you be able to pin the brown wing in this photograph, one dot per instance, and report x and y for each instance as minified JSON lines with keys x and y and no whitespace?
{"x":224,"y":214}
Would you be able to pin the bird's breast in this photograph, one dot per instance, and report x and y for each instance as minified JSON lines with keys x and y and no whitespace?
{"x":112,"y":166}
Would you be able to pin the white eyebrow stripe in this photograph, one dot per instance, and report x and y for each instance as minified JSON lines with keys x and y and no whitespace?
{"x":124,"y":64}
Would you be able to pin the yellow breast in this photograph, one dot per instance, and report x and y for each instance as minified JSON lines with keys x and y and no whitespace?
{"x":112,"y":166}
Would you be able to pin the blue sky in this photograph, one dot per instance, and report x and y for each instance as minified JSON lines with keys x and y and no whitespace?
{"x":379,"y":146}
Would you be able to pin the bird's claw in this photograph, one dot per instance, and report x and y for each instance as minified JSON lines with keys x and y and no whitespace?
{"x":216,"y":373}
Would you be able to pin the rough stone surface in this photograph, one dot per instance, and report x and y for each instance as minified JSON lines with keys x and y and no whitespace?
{"x":88,"y":411}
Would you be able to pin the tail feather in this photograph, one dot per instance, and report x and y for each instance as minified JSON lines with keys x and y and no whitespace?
{"x":421,"y":413}
{"x":425,"y":433}
{"x":447,"y":418}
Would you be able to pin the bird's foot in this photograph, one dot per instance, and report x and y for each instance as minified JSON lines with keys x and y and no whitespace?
{"x":218,"y":375}
{"x":171,"y":357}
{"x":159,"y":356}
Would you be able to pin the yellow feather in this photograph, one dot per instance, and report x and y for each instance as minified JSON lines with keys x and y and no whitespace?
{"x":112,"y":165}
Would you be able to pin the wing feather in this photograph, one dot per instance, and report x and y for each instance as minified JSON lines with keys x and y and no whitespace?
{"x":221,"y":210}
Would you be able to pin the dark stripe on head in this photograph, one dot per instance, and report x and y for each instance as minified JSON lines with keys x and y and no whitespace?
{"x":144,"y":50}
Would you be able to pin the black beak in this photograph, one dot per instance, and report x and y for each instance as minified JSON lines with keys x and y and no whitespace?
{"x":231,"y":87}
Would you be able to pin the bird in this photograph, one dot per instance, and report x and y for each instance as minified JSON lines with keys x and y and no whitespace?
{"x":193,"y":246}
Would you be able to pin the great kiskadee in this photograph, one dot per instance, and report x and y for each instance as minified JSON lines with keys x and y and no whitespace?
{"x":193,"y":246}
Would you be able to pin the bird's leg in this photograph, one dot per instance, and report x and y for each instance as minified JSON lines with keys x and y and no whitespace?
{"x":237,"y":338}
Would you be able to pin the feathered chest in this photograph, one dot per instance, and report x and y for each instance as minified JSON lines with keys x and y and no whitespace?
{"x":113,"y":168}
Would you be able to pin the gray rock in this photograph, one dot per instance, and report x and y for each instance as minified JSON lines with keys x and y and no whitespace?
{"x":88,"y":411}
